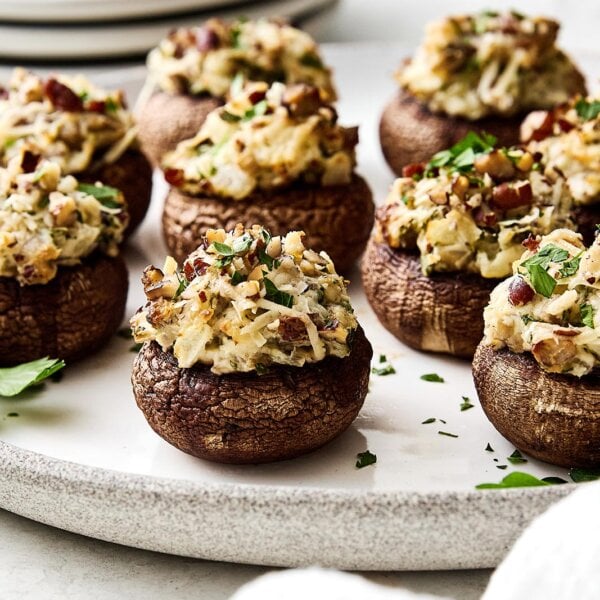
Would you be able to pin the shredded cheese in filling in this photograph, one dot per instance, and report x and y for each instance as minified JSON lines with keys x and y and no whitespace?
{"x":245,"y":301}
{"x":48,"y":221}
{"x":491,"y":64}
{"x":206,"y":59}
{"x":264,"y":138}
{"x":65,"y":119}
{"x":568,"y":140}
{"x":551,"y":305}
{"x":473,"y":211}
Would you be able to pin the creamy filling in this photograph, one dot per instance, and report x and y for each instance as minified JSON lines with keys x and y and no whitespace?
{"x":245,"y":301}
{"x":48,"y":220}
{"x":568,"y":140}
{"x":550,"y":307}
{"x":65,"y":119}
{"x":207,"y":59}
{"x":470,"y":208}
{"x":264,"y":138}
{"x":473,"y":66}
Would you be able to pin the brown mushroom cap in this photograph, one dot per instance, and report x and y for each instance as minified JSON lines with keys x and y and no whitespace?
{"x":132,"y":174}
{"x":587,"y":217}
{"x":410,"y":133}
{"x":167,"y":119}
{"x":70,"y":317}
{"x":555,"y":418}
{"x":337,"y":219}
{"x":248,"y":418}
{"x":441,"y":313}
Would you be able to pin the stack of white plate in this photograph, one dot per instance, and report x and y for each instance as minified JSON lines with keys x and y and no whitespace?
{"x":102,"y":29}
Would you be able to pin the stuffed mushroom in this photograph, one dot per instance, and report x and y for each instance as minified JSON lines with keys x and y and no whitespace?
{"x":448,"y":232}
{"x":480,"y":72}
{"x":63,"y":285}
{"x":567,"y":141}
{"x":192,"y":70}
{"x":536,"y":368}
{"x":273,"y":155}
{"x":86,"y":130}
{"x":252,"y":352}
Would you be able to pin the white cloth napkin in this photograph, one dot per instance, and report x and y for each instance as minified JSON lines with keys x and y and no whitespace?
{"x":557,"y":557}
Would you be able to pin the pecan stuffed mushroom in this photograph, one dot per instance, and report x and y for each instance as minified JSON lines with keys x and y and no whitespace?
{"x":252,"y":352}
{"x":86,"y":130}
{"x":273,"y":155}
{"x":536,"y":369}
{"x":567,"y":140}
{"x":63,"y":285}
{"x":480,"y":72}
{"x":192,"y":70}
{"x":448,"y":231}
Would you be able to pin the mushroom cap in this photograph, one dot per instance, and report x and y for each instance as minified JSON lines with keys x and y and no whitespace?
{"x":442,"y":313}
{"x":337,"y":218}
{"x":69,"y":317}
{"x":587,"y":217}
{"x":555,"y":418}
{"x":248,"y":418}
{"x":132,"y":175}
{"x":167,"y":119}
{"x":410,"y":133}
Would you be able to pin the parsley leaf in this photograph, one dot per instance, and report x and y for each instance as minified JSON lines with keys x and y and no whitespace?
{"x":549,"y":253}
{"x":462,"y":155}
{"x":580,"y":475}
{"x":489,"y":448}
{"x":385,"y":370}
{"x":310,"y":59}
{"x":556,"y":480}
{"x":106,"y":195}
{"x":542,"y":282}
{"x":434,"y":377}
{"x":570,"y":267}
{"x":428,"y":421}
{"x":13,"y":380}
{"x":587,"y":110}
{"x":237,"y":278}
{"x":276,"y":295}
{"x":452,"y":435}
{"x":516,"y":458}
{"x":465,"y":404}
{"x":514,"y":480}
{"x":364,"y":459}
{"x":257,"y":110}
{"x":587,"y":315}
{"x":229,"y":117}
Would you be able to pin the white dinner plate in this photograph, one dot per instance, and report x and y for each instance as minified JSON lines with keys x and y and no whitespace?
{"x":37,"y":42}
{"x":80,"y":455}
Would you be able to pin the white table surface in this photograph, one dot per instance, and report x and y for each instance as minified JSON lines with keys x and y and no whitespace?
{"x":39,"y":562}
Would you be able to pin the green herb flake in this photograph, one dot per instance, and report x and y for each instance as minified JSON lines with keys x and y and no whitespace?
{"x":461,"y":156}
{"x":136,"y":347}
{"x":229,"y":117}
{"x":276,"y":295}
{"x":570,"y":267}
{"x":268,"y":261}
{"x":382,"y":358}
{"x":432,"y":377}
{"x":516,"y":458}
{"x":310,"y":59}
{"x":428,"y":421}
{"x":502,"y":467}
{"x":587,"y":110}
{"x":12,"y":414}
{"x":385,"y":370}
{"x":258,"y":110}
{"x":515,"y":479}
{"x":223,"y":249}
{"x":237,"y":278}
{"x":554,"y":480}
{"x":542,"y":282}
{"x":586,"y":312}
{"x":452,"y":435}
{"x":364,"y":459}
{"x":183,"y":283}
{"x":465,"y":404}
{"x":488,"y":448}
{"x":13,"y":380}
{"x":105,"y":194}
{"x":261,"y":369}
{"x":110,"y":105}
{"x":580,"y":475}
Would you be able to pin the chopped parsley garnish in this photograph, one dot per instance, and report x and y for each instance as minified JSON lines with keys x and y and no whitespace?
{"x":587,"y":110}
{"x":261,"y":369}
{"x":461,"y":156}
{"x":223,"y":249}
{"x":106,"y":195}
{"x":277,"y":296}
{"x":465,"y":404}
{"x":502,"y":467}
{"x":237,"y":278}
{"x":229,"y":117}
{"x":537,"y":268}
{"x":183,"y":283}
{"x":265,"y":259}
{"x":110,"y":105}
{"x":257,"y":110}
{"x":555,"y":480}
{"x":446,"y":433}
{"x":428,"y":421}
{"x":516,"y":458}
{"x":434,"y":377}
{"x":13,"y":380}
{"x":364,"y":459}
{"x":489,"y":448}
{"x":570,"y":267}
{"x":309,"y":59}
{"x":382,"y":358}
{"x":587,"y":315}
{"x":12,"y":414}
{"x":514,"y":480}
{"x":542,"y":282}
{"x":385,"y":370}
{"x":580,"y":475}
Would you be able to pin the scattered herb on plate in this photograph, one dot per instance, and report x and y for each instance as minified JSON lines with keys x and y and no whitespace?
{"x":555,"y":480}
{"x":580,"y":475}
{"x":13,"y":380}
{"x":385,"y":370}
{"x":516,"y":458}
{"x":428,"y":421}
{"x":433,"y":377}
{"x":466,"y":404}
{"x":12,"y":414}
{"x":514,"y":480}
{"x":446,"y":433}
{"x":364,"y":459}
{"x":501,"y":467}
{"x":488,"y":448}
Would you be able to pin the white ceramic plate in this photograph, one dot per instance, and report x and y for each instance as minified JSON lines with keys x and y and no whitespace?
{"x":81,"y":457}
{"x":24,"y":41}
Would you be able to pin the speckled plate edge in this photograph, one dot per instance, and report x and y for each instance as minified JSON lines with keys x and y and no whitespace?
{"x":341,"y":529}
